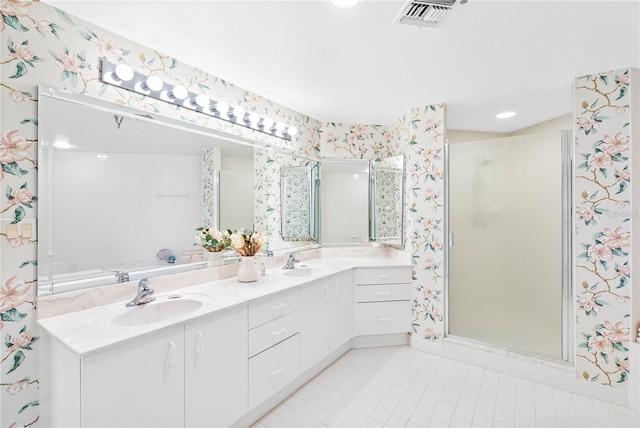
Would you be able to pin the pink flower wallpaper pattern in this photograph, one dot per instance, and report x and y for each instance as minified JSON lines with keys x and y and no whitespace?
{"x":603,"y":226}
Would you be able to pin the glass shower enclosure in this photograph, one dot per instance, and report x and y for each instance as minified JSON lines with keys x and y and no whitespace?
{"x":509,"y":243}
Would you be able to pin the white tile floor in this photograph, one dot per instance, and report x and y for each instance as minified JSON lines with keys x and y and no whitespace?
{"x":399,"y":386}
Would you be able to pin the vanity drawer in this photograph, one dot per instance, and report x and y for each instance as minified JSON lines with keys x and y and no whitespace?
{"x":382,"y":318}
{"x":387,"y":275}
{"x":270,"y":308}
{"x":382,"y":293}
{"x":272,"y":333}
{"x":272,"y":370}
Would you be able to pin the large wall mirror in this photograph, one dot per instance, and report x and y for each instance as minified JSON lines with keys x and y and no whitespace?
{"x":118,"y":185}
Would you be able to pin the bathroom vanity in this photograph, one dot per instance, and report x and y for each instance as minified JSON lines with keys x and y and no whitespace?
{"x":219,"y":353}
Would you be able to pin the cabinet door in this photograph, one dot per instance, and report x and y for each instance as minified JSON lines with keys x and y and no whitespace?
{"x":216,"y":370}
{"x":314,"y":323}
{"x":138,"y":384}
{"x":341,"y":320}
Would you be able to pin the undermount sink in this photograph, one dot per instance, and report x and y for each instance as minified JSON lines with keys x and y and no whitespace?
{"x":305,"y":270}
{"x":159,"y":310}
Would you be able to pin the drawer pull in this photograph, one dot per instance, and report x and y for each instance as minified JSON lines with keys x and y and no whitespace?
{"x":326,"y":292}
{"x":279,"y":332}
{"x":335,"y":285}
{"x":384,"y":276}
{"x":172,"y":354}
{"x":387,"y":319}
{"x":277,"y":371}
{"x":384,"y":293}
{"x":275,"y":309}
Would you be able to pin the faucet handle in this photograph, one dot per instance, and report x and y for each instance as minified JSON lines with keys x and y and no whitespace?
{"x":143,"y":285}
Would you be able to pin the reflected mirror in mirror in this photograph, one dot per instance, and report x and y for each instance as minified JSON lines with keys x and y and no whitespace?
{"x":387,"y":199}
{"x":344,"y":201}
{"x":299,"y":199}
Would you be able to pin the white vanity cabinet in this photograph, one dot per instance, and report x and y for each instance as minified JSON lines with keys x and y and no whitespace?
{"x":273,"y":345}
{"x":192,"y":374}
{"x":137,"y":384}
{"x":216,"y":374}
{"x":226,"y":366}
{"x":382,"y":300}
{"x":326,"y":317}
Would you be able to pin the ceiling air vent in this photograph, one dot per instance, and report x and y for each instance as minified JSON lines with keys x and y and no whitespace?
{"x":424,"y":12}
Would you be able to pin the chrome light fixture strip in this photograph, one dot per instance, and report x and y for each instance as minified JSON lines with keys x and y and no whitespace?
{"x":123,"y":76}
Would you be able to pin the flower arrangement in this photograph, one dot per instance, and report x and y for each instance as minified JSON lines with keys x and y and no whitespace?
{"x":247,"y":242}
{"x":212,"y":239}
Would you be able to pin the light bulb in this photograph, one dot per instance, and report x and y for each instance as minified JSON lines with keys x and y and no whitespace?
{"x":202,"y":100}
{"x":292,"y":131}
{"x":238,"y":112}
{"x":254,"y":118}
{"x":124,"y":72}
{"x":280,"y":126}
{"x":267,"y":123}
{"x":154,"y":83}
{"x":179,"y":92}
{"x":222,"y":107}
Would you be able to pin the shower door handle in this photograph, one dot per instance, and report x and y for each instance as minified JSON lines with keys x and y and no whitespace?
{"x":450,"y":239}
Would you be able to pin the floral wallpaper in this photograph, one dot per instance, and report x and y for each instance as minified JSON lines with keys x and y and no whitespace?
{"x":354,"y":141}
{"x":296,"y":205}
{"x":603,"y":226}
{"x":419,"y":135}
{"x":210,"y":214}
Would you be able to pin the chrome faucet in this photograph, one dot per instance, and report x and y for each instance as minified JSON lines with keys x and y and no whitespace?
{"x":291,"y":262}
{"x":144,"y":294}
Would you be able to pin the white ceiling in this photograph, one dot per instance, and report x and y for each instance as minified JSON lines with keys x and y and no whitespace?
{"x":357,"y":66}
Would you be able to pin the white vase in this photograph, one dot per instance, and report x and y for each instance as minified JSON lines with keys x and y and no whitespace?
{"x":213,"y":258}
{"x":248,"y":272}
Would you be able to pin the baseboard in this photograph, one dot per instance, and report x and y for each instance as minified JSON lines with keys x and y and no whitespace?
{"x":380,"y":340}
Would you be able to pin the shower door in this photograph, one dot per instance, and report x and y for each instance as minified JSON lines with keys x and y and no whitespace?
{"x":508,"y":255}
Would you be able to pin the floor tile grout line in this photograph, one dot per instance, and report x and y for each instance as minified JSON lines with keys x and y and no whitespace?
{"x":391,"y":371}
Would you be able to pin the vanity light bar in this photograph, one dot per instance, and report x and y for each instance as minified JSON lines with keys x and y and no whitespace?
{"x":124,"y":76}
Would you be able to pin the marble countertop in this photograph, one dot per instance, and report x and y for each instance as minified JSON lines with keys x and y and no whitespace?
{"x":92,"y":330}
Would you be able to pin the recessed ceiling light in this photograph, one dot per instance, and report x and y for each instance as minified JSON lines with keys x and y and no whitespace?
{"x":344,"y":4}
{"x":505,"y":115}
